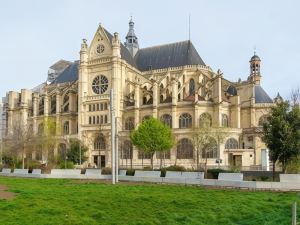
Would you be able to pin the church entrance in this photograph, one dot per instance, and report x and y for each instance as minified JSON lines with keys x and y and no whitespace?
{"x":235,"y":160}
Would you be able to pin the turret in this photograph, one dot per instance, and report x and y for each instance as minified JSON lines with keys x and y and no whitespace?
{"x":131,"y":39}
{"x":255,"y":69}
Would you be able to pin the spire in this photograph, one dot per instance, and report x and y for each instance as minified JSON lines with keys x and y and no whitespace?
{"x":131,"y":39}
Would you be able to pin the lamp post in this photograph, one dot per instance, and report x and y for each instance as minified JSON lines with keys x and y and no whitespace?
{"x":113,"y":155}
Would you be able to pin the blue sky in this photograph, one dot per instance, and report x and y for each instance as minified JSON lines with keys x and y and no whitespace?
{"x":35,"y":34}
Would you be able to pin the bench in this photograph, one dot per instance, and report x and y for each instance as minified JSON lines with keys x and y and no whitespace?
{"x":65,"y":172}
{"x":141,"y":173}
{"x":36,"y":171}
{"x":291,"y":178}
{"x":20,"y":171}
{"x":122,"y":172}
{"x":173,"y":174}
{"x":196,"y":175}
{"x":93,"y":172}
{"x":6,"y":171}
{"x":230,"y":176}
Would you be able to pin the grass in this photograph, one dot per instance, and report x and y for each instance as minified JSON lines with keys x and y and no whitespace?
{"x":51,"y":201}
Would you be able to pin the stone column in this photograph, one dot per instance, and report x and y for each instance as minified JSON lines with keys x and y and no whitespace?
{"x":155,"y":101}
{"x":137,"y":104}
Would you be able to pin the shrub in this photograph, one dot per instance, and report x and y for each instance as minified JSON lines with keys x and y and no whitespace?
{"x":33,"y":164}
{"x":264,"y":178}
{"x":130,"y":172}
{"x":215,"y":172}
{"x":67,"y":165}
{"x":175,"y":168}
{"x":106,"y":171}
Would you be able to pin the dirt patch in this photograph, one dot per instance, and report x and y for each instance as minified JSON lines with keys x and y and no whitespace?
{"x":4,"y":194}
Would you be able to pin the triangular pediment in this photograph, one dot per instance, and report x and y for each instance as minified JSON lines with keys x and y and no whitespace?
{"x":100,"y":46}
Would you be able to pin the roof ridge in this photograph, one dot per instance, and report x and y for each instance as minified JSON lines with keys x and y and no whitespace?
{"x":155,"y":46}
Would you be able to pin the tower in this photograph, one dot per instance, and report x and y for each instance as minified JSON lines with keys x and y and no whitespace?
{"x":131,"y":39}
{"x":255,"y":69}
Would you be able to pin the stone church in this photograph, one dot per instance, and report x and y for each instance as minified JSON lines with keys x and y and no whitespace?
{"x":169,"y":82}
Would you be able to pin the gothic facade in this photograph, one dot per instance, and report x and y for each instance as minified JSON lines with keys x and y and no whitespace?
{"x":169,"y":82}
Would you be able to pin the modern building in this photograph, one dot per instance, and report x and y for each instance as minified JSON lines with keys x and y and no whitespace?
{"x":170,"y":82}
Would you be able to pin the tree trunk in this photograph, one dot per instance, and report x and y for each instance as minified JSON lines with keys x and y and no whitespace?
{"x":273,"y":170}
{"x":152,"y":154}
{"x":198,"y":166}
{"x":23,"y":158}
{"x":205,"y":169}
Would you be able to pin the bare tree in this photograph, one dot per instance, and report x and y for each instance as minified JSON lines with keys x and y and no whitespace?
{"x":206,"y":139}
{"x":295,"y":96}
{"x":18,"y":141}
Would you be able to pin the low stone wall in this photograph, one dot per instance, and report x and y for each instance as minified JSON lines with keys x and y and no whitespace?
{"x":252,"y":185}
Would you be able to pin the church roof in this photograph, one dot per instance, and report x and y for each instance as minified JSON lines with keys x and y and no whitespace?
{"x":157,"y":57}
{"x":69,"y":74}
{"x":261,"y":96}
{"x":169,"y":55}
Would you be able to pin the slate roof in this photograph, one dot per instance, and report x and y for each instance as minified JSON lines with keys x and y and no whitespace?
{"x":68,"y":75}
{"x":169,"y":55}
{"x":157,"y":57}
{"x":261,"y":96}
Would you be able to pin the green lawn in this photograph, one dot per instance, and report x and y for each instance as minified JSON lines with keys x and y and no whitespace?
{"x":57,"y":202}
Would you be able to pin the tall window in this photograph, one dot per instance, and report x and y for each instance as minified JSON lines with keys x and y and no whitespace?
{"x":212,"y":151}
{"x":225,"y":122}
{"x":205,"y":120}
{"x":231,"y":143}
{"x":53,"y":104}
{"x":66,"y":127}
{"x":99,"y":143}
{"x":66,"y":103}
{"x":185,"y":121}
{"x":167,"y":120}
{"x":127,"y":150}
{"x":129,"y":123}
{"x":41,"y":106}
{"x":192,"y":87}
{"x":41,"y":129}
{"x":185,"y":149}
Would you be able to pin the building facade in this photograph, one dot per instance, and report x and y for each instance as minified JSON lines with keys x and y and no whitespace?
{"x":169,"y":82}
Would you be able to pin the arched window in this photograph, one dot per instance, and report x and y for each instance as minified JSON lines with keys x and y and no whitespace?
{"x":263,"y":119}
{"x":185,"y":121}
{"x":99,"y":143}
{"x":147,"y":117}
{"x":129,"y":123}
{"x":192,"y":87}
{"x":53,"y":104}
{"x":41,"y":129}
{"x":127,"y":149}
{"x":66,"y":127}
{"x":185,"y":149}
{"x":231,"y":143}
{"x":66,"y":103}
{"x":212,"y":151}
{"x":205,"y":120}
{"x":225,"y":122}
{"x":167,"y":120}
